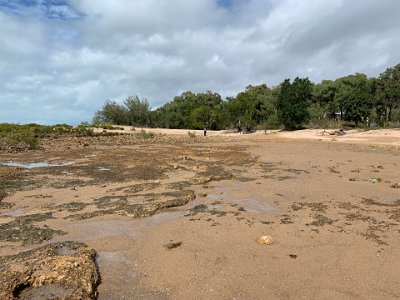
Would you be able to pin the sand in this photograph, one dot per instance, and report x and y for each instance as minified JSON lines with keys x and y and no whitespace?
{"x":175,"y":217}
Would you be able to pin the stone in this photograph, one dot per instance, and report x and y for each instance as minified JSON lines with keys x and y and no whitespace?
{"x":265,"y":240}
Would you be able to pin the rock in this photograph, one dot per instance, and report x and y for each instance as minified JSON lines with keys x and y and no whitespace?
{"x":375,"y":180}
{"x":396,"y":185}
{"x":265,"y":240}
{"x":199,"y":208}
{"x":64,"y":270}
{"x":173,"y":245}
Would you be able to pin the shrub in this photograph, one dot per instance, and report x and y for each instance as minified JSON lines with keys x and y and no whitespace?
{"x":18,"y":136}
{"x":28,"y":136}
{"x":272,"y":123}
{"x":143,"y":134}
{"x":192,"y":135}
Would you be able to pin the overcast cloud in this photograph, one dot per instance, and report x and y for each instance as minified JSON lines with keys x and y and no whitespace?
{"x":61,"y":60}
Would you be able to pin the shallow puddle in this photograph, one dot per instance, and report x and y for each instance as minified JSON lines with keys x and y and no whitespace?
{"x":104,"y":169}
{"x":49,"y":291}
{"x":32,"y":165}
{"x":254,"y":205}
{"x":16,"y":212}
{"x":125,"y":227}
{"x":220,"y":196}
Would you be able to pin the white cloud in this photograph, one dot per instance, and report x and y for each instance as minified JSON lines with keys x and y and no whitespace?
{"x":62,"y":69}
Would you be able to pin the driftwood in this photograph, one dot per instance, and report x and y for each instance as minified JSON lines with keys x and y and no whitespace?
{"x":335,"y":132}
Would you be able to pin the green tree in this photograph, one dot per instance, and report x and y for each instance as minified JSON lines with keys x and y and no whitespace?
{"x":138,"y":111}
{"x":324,"y":97}
{"x":378,"y":109}
{"x":112,"y":112}
{"x":252,"y":107}
{"x":207,"y":111}
{"x":191,"y":111}
{"x":388,"y":91}
{"x":293,"y":103}
{"x":355,"y":97}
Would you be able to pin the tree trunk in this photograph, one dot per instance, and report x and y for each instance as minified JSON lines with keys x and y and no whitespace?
{"x":378,"y":119}
{"x":387,"y":114}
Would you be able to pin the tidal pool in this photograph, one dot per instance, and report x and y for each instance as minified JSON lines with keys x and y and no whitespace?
{"x":32,"y":165}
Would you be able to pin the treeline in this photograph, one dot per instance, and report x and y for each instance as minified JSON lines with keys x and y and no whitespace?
{"x":355,"y":99}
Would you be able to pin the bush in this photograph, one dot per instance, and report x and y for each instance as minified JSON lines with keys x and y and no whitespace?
{"x":82,"y":131}
{"x":19,"y":136}
{"x":272,"y":123}
{"x":396,"y":115}
{"x":143,"y":134}
{"x":28,"y":136}
{"x":192,"y":135}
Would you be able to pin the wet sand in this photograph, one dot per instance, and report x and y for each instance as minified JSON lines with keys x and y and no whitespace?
{"x":179,"y":218}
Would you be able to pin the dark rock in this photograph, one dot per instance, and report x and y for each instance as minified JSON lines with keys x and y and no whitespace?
{"x":396,"y":185}
{"x":173,"y":245}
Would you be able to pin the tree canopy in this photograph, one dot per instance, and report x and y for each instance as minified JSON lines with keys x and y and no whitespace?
{"x":353,"y":98}
{"x":293,"y":103}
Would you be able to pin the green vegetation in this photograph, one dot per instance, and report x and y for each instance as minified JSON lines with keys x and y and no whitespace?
{"x":293,"y":103}
{"x":145,"y":135}
{"x":107,"y":125}
{"x":28,"y":136}
{"x":253,"y":107}
{"x":355,"y":99}
{"x":134,"y":112}
{"x":191,"y":111}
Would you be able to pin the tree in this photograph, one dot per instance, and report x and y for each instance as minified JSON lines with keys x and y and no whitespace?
{"x":253,"y":106}
{"x":379,"y":108}
{"x":191,"y":111}
{"x":207,"y":111}
{"x":293,"y":103}
{"x":138,"y":111}
{"x":324,"y":97}
{"x":388,"y":90}
{"x":111,"y":112}
{"x":355,"y":97}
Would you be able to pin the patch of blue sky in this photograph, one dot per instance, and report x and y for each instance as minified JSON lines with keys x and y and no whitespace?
{"x":226,"y":3}
{"x":51,"y":9}
{"x":64,"y":12}
{"x":233,"y":5}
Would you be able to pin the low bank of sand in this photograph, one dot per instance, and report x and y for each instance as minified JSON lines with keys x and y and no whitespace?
{"x":378,"y":136}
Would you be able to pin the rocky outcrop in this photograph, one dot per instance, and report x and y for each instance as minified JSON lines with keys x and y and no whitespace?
{"x":64,"y":270}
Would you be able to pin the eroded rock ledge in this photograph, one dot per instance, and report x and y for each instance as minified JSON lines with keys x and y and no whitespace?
{"x":64,"y":270}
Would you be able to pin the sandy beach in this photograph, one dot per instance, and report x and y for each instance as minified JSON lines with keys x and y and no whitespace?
{"x":179,"y":217}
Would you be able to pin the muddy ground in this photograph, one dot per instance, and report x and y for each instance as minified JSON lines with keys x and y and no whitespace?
{"x":173,"y":217}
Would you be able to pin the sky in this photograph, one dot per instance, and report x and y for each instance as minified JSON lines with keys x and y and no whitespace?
{"x":61,"y":60}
